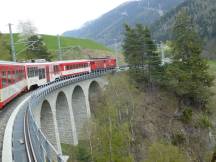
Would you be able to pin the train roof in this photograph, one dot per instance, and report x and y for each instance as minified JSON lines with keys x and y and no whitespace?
{"x":38,"y":63}
{"x":72,"y":61}
{"x":9,"y":63}
{"x":47,"y":63}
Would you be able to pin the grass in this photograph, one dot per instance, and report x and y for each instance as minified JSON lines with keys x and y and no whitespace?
{"x":51,"y":42}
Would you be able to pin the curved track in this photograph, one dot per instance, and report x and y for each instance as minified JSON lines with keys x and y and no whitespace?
{"x":5,"y":115}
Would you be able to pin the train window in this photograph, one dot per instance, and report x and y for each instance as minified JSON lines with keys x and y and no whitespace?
{"x":29,"y":73}
{"x":4,"y":82}
{"x":35,"y":71}
{"x":4,"y":75}
{"x":9,"y":75}
{"x":13,"y":76}
{"x":41,"y":73}
{"x":17,"y":78}
{"x":55,"y":67}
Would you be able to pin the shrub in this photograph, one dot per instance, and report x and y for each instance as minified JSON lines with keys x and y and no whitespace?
{"x":204,"y":121}
{"x":178,"y":138}
{"x":159,"y":152}
{"x":187,"y":115}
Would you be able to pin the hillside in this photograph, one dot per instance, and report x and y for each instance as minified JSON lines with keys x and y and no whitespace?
{"x":203,"y":14}
{"x":155,"y":122}
{"x":79,"y":48}
{"x":109,"y":27}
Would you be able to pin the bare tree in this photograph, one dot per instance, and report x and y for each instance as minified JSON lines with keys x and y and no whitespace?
{"x":26,"y":29}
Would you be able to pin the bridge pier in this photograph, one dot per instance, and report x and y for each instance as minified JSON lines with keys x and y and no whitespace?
{"x":63,"y":113}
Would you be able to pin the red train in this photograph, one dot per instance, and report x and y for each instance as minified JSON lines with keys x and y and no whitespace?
{"x":18,"y":77}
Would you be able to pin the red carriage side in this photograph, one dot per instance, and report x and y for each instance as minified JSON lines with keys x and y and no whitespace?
{"x":12,"y":81}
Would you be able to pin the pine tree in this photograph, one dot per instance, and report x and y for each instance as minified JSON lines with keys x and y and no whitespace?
{"x":139,"y":49}
{"x":188,"y":74}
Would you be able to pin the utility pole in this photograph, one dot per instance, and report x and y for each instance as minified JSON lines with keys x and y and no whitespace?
{"x":13,"y":51}
{"x":162,"y":53}
{"x":59,"y":49}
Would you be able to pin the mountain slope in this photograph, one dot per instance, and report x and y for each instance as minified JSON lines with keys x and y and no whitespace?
{"x":109,"y":27}
{"x":203,"y":13}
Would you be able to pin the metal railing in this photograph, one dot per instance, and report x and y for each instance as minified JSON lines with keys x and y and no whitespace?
{"x":42,"y":149}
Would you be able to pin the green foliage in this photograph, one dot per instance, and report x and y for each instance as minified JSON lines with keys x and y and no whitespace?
{"x":187,"y":115}
{"x":139,"y":49}
{"x":204,"y":121}
{"x":4,"y":48}
{"x":78,"y":153}
{"x":202,"y":12}
{"x":159,"y":152}
{"x":178,"y":138}
{"x":36,"y":49}
{"x":188,"y":74}
{"x":112,"y":127}
{"x":82,"y":153}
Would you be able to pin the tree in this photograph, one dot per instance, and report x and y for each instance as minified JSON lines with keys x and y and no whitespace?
{"x":4,"y":48}
{"x":159,"y":152}
{"x":26,"y":29}
{"x":36,"y":48}
{"x":188,"y":74}
{"x":139,"y":49}
{"x":112,"y":127}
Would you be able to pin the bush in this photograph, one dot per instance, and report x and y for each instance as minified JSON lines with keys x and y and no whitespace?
{"x":204,"y":121}
{"x":178,"y":138}
{"x":159,"y":152}
{"x":187,"y":115}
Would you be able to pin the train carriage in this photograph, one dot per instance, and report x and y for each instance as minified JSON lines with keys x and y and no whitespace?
{"x":17,"y":77}
{"x":102,"y":63}
{"x":74,"y":67}
{"x":38,"y":74}
{"x":12,"y":81}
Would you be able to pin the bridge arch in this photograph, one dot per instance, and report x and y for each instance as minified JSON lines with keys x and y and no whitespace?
{"x":63,"y":119}
{"x":79,"y":108}
{"x":47,"y":122}
{"x":94,"y":93}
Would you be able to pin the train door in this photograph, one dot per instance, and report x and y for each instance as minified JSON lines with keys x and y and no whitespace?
{"x":47,"y":73}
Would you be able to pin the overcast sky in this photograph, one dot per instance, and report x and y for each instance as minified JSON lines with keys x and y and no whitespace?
{"x":53,"y":16}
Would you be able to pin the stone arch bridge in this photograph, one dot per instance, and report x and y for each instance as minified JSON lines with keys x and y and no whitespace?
{"x":61,"y":114}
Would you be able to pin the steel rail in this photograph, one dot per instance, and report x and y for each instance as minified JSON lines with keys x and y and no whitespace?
{"x":28,"y":143}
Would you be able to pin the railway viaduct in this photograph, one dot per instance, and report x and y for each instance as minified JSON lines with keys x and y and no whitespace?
{"x":62,"y":114}
{"x":56,"y":113}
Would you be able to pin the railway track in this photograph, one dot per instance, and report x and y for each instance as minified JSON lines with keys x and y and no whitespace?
{"x":5,"y":115}
{"x":28,"y":143}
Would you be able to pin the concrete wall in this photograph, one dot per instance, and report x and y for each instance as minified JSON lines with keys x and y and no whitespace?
{"x":63,"y":113}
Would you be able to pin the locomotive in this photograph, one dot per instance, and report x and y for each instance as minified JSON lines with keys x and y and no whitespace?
{"x":16,"y":78}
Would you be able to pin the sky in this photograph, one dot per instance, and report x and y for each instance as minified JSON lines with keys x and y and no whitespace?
{"x":53,"y":16}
